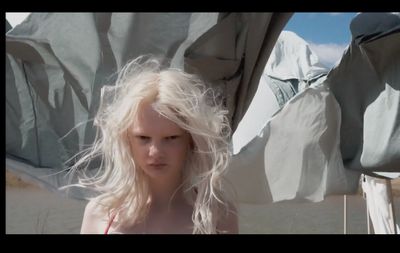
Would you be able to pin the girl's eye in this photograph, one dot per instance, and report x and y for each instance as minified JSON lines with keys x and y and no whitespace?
{"x":173,"y":137}
{"x":143,"y":138}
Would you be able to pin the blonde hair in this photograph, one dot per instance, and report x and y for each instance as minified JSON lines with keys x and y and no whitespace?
{"x":182,"y":98}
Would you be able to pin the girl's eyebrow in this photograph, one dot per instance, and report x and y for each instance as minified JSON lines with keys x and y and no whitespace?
{"x":139,"y":133}
{"x":142,"y":133}
{"x":175,"y":134}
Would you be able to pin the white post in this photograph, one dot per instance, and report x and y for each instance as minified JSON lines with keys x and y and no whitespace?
{"x":368,"y":221}
{"x":391,"y":204}
{"x":345,"y":214}
{"x":366,"y":204}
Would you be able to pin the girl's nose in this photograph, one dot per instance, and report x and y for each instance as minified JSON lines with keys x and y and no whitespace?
{"x":155,"y":150}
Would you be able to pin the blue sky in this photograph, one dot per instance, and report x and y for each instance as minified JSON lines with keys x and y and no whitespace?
{"x":327,"y":33}
{"x":322,"y":27}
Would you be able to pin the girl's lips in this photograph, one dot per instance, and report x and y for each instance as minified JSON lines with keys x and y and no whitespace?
{"x":157,"y":165}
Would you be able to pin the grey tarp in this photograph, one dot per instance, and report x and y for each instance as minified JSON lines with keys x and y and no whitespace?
{"x":324,"y":137}
{"x":366,"y":84}
{"x":8,"y":26}
{"x":57,"y":63}
{"x":291,"y":67}
{"x":295,"y":156}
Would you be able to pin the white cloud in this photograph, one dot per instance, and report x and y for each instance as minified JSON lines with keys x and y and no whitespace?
{"x":329,"y":54}
{"x":335,"y":13}
{"x":15,"y":18}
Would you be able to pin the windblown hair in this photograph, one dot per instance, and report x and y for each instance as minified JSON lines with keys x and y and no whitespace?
{"x":182,"y":98}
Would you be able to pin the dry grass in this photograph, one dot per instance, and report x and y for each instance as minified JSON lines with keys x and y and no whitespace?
{"x":396,"y":187}
{"x":14,"y":180}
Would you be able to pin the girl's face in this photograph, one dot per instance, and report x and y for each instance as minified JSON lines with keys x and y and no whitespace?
{"x":158,"y":145}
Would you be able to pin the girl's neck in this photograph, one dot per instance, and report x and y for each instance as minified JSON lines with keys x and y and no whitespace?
{"x":164,"y":197}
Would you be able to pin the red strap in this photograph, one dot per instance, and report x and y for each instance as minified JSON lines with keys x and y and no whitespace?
{"x":109,"y":223}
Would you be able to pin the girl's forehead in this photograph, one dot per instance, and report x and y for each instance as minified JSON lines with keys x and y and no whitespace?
{"x":150,"y":121}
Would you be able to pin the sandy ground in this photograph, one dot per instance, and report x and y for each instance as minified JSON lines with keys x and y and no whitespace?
{"x":37,"y":211}
{"x":325,"y":217}
{"x":32,"y":210}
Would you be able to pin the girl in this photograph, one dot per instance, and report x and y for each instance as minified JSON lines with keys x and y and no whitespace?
{"x":163,"y":145}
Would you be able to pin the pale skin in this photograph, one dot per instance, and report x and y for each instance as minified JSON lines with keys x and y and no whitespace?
{"x":159,"y":147}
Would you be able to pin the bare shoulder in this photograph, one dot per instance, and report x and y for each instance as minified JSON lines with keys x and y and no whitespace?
{"x":228,"y":224}
{"x":94,"y":219}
